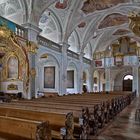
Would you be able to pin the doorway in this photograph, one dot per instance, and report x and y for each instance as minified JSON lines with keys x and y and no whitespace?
{"x":127,"y":83}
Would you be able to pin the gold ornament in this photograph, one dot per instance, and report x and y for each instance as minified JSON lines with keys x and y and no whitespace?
{"x":5,"y":33}
{"x":31,"y":47}
{"x":134,"y":22}
{"x":33,"y":72}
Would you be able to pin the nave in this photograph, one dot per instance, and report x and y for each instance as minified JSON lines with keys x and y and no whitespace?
{"x":54,"y":52}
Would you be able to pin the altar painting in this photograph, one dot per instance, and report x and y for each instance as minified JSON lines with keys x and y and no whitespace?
{"x":13,"y":67}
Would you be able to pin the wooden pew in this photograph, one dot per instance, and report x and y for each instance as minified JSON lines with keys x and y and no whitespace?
{"x":57,"y":121}
{"x":24,"y":128}
{"x":105,"y":107}
{"x":77,"y":109}
{"x":97,"y":116}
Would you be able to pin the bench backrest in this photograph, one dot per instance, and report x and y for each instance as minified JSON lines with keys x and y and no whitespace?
{"x":25,"y":128}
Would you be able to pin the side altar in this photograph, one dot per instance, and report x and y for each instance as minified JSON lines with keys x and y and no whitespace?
{"x":15,"y":71}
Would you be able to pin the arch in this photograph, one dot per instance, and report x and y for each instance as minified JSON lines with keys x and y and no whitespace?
{"x":38,"y":7}
{"x":26,"y":9}
{"x":88,"y":51}
{"x":88,"y":35}
{"x":74,"y":41}
{"x":13,"y":67}
{"x":93,"y":26}
{"x":16,"y":11}
{"x":73,"y":63}
{"x":48,"y":67}
{"x":119,"y":77}
{"x":48,"y":55}
{"x":51,"y":26}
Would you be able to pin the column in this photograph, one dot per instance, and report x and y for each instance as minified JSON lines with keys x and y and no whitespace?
{"x":33,"y":32}
{"x":99,"y":80}
{"x":0,"y":76}
{"x":63,"y":72}
{"x":135,"y":85}
{"x":91,"y":77}
{"x":80,"y":73}
{"x":108,"y":80}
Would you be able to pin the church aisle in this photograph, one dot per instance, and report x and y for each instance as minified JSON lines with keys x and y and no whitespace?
{"x":124,"y":126}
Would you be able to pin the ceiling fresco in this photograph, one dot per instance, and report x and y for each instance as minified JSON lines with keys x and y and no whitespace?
{"x":84,"y":17}
{"x":90,"y":6}
{"x":121,"y":32}
{"x":62,"y":5}
{"x":113,"y":20}
{"x":82,"y":25}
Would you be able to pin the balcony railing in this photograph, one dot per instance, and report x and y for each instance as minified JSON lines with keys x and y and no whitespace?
{"x":48,"y":43}
{"x":21,"y":31}
{"x":73,"y":54}
{"x":17,"y":29}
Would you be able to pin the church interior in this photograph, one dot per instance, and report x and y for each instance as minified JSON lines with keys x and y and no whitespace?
{"x":69,"y":69}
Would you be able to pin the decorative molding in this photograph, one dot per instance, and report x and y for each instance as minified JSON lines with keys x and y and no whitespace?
{"x":32,"y":27}
{"x":32,"y":47}
{"x":12,"y":87}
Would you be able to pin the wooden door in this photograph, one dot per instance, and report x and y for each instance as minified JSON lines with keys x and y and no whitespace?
{"x":127,"y":85}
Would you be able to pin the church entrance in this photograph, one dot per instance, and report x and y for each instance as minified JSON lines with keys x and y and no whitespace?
{"x":127,"y":83}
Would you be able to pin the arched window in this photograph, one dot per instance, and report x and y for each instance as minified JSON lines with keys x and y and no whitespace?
{"x":12,"y":71}
{"x":128,"y":77}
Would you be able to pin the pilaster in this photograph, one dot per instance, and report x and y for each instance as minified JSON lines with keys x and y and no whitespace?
{"x":33,"y":32}
{"x":80,"y":73}
{"x":108,"y":79}
{"x":135,"y":86}
{"x":63,"y":72}
{"x":91,"y":77}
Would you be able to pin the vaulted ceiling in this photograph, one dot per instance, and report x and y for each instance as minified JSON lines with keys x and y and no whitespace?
{"x":87,"y":25}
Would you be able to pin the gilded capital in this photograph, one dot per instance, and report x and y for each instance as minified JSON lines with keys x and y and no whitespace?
{"x":32,"y":47}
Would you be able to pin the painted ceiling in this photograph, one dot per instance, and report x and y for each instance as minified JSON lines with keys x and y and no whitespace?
{"x":92,"y":23}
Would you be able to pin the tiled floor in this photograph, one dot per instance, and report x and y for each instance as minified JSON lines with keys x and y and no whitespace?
{"x":124,"y":126}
